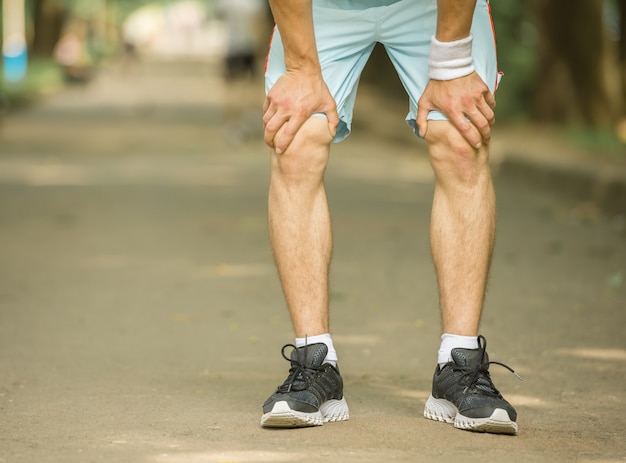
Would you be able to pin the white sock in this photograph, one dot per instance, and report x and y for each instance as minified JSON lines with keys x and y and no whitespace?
{"x":453,"y":341}
{"x":331,"y":356}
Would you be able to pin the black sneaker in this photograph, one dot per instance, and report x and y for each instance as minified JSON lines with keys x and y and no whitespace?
{"x":311,"y":395}
{"x":463,"y":394}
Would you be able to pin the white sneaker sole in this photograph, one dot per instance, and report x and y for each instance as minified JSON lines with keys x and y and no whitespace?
{"x":443,"y":410}
{"x":282,"y":416}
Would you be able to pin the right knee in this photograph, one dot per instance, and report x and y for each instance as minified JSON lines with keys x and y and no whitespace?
{"x":454,"y":161}
{"x":307,"y":155}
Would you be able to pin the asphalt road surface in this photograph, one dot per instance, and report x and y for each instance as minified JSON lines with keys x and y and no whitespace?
{"x":141,"y":318}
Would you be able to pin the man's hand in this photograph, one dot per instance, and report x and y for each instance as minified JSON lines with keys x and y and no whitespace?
{"x":291,"y":101}
{"x":459,"y":100}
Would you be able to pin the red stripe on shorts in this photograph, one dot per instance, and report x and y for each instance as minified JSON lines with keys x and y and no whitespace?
{"x":269,"y":46}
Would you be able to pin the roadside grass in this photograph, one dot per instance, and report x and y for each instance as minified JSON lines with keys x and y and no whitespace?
{"x":43,"y":77}
{"x":601,"y":140}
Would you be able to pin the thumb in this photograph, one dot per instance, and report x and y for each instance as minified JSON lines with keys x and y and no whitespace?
{"x":333,"y":122}
{"x":332,"y":129}
{"x":422,"y":121}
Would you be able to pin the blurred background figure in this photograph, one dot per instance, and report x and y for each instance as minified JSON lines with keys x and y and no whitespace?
{"x":72,"y":54}
{"x":13,"y":35}
{"x":177,"y":30}
{"x":245,"y":21}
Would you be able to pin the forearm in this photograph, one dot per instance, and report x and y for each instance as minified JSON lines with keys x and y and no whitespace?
{"x":451,"y":46}
{"x":454,"y":19}
{"x":294,"y":19}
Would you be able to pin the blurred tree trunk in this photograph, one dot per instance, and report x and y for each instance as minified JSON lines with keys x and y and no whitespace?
{"x":48,"y":20}
{"x":571,"y":86}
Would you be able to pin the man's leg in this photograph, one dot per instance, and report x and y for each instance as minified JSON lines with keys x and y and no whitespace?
{"x":462,"y":226}
{"x":300,"y":227}
{"x":462,"y":240}
{"x":299,"y":220}
{"x":300,"y":232}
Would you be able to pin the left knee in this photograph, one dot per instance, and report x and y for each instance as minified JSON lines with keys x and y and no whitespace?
{"x":452,"y":158}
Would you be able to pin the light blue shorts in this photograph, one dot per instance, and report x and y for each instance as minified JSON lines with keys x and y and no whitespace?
{"x":346,"y":32}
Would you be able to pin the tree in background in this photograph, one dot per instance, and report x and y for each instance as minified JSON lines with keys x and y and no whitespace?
{"x":516,"y":37}
{"x":48,"y":19}
{"x":578,"y":73}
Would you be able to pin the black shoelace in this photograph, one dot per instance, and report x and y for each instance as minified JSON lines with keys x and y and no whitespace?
{"x":481,"y":371}
{"x":299,"y":374}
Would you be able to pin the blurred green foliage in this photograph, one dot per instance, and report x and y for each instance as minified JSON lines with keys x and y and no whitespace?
{"x":44,"y":76}
{"x":517,"y":41}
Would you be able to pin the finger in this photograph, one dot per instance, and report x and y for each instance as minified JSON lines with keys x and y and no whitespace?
{"x":468,"y":131}
{"x":282,"y":142}
{"x":333,"y":122}
{"x":268,"y":137}
{"x":487,"y":112}
{"x":268,"y":114}
{"x":490,"y":99}
{"x":422,"y":120}
{"x":272,"y":127}
{"x":482,"y":125}
{"x":484,"y":119}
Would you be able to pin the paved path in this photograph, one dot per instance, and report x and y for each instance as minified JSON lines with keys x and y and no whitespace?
{"x":141,"y":319}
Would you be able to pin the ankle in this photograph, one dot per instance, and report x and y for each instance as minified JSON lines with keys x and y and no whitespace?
{"x":454,"y":341}
{"x":331,"y":356}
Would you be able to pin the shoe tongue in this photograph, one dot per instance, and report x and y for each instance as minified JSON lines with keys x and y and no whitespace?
{"x":469,"y":357}
{"x":312,"y":355}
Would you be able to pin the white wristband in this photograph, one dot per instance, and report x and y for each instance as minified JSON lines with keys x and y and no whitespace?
{"x":450,"y":60}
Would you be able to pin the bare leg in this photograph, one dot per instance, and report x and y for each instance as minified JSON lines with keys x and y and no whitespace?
{"x":300,"y":228}
{"x":462,"y":227}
